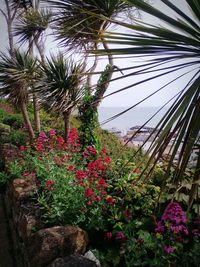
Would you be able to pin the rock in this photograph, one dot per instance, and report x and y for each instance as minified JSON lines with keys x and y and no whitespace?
{"x":51,"y":243}
{"x":4,"y":128}
{"x":90,"y":255}
{"x":73,"y":261}
{"x":22,"y":188}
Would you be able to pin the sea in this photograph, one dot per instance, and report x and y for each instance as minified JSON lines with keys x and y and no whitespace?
{"x":134,"y":117}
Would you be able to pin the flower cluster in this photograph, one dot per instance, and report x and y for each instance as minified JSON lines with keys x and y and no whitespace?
{"x":72,"y":181}
{"x":92,"y":177}
{"x":172,"y":227}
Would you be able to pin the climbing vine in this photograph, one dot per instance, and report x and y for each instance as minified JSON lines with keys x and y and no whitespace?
{"x":88,"y":112}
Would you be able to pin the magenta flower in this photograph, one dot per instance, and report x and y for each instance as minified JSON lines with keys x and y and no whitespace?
{"x":52,"y":132}
{"x":169,"y":249}
{"x":120,"y":236}
{"x":43,"y":137}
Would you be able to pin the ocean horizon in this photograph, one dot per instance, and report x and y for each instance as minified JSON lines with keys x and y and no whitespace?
{"x":134,"y":117}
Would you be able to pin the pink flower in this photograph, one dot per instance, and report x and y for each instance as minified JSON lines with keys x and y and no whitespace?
{"x":169,"y":249}
{"x":120,"y":236}
{"x":52,"y":132}
{"x":43,"y":137}
{"x":89,"y":203}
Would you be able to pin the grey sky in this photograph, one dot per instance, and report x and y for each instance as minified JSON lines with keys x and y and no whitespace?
{"x":132,"y":95}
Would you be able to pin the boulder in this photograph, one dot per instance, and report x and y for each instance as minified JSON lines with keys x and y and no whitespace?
{"x":48,"y":244}
{"x":73,"y":261}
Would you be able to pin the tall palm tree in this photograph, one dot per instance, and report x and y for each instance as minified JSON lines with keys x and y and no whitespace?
{"x":61,"y":87}
{"x":17,"y":74}
{"x":77,"y":29}
{"x":168,"y":49}
{"x":30,"y":27}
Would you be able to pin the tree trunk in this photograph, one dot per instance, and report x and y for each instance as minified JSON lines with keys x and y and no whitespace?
{"x":27,"y":122}
{"x":35,"y":97}
{"x":9,"y":20}
{"x":66,"y":116}
{"x":104,"y":80}
{"x":36,"y":112}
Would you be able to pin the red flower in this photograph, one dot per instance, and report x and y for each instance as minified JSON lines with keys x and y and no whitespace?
{"x":98,"y":198}
{"x":103,"y":151}
{"x":89,"y":192}
{"x":110,"y":200}
{"x":71,"y":168}
{"x":109,"y":235}
{"x":49,"y":184}
{"x":40,"y":146}
{"x":91,"y":150}
{"x":89,"y":203}
{"x":22,"y":148}
{"x":80,"y":174}
{"x":72,"y":137}
{"x":60,"y":140}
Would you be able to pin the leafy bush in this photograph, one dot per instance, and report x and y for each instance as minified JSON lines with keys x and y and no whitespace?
{"x":3,"y":114}
{"x":4,"y":179}
{"x":15,"y":137}
{"x":15,"y":121}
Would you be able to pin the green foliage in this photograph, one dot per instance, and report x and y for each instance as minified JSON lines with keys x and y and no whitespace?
{"x":15,"y":121}
{"x":4,"y":179}
{"x":89,"y":121}
{"x":15,"y":137}
{"x":2,"y":114}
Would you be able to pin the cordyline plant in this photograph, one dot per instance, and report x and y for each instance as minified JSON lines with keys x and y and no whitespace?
{"x":17,"y":74}
{"x":77,"y":29}
{"x":61,"y":87}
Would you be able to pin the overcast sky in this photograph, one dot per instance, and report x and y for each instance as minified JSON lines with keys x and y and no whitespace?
{"x":132,"y":95}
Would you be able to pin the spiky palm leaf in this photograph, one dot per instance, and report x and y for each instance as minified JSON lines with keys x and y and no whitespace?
{"x":76,"y":27}
{"x":17,"y":74}
{"x":25,"y":4}
{"x":168,"y":50}
{"x":61,"y":87}
{"x":32,"y":24}
{"x":61,"y":84}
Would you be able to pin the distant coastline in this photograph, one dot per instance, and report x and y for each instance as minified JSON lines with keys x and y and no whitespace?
{"x":136,"y":116}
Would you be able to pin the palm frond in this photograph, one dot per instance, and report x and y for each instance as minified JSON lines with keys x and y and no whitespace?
{"x":17,"y":74}
{"x":75,"y":27}
{"x":32,"y":24}
{"x":171,"y":47}
{"x":61,"y":85}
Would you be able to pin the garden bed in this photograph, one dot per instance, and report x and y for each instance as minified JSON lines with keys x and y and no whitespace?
{"x":63,"y":201}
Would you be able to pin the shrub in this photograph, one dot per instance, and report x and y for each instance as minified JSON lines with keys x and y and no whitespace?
{"x":15,"y":137}
{"x":15,"y":121}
